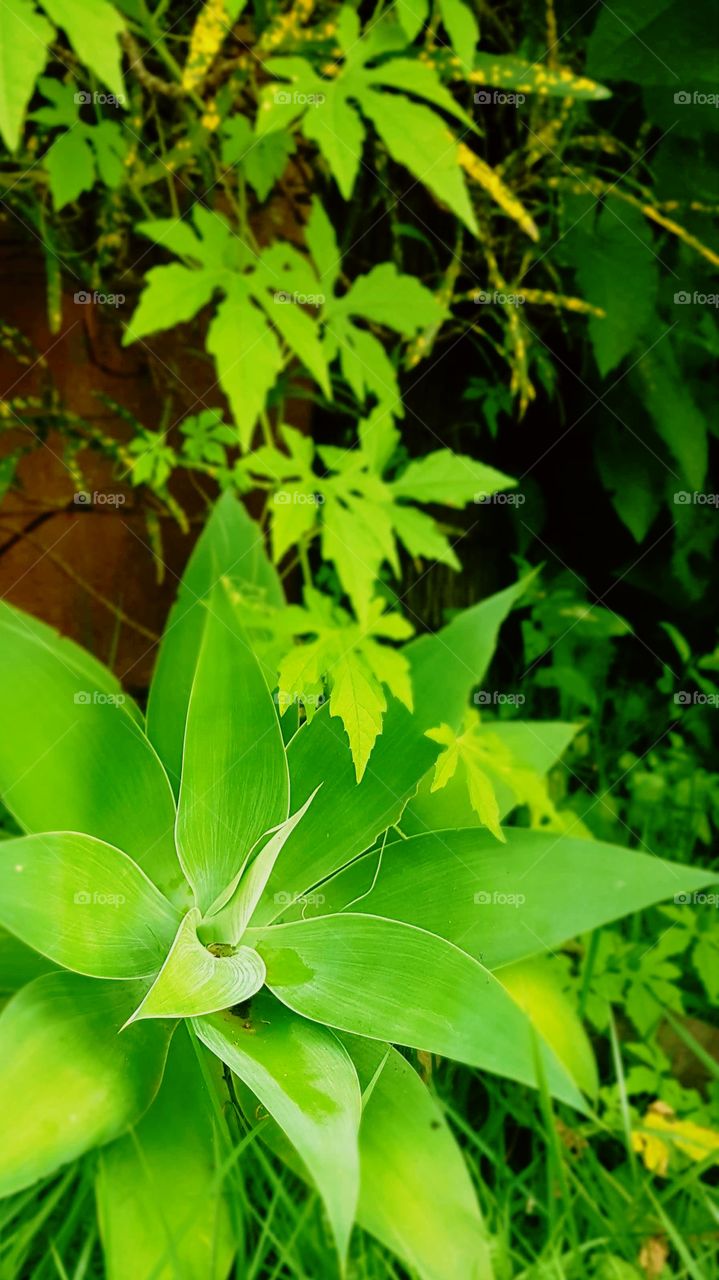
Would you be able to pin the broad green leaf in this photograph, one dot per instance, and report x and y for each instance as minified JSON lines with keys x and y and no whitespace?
{"x":388,"y":297}
{"x":230,"y":923}
{"x":70,"y":167}
{"x":234,"y":783}
{"x":416,"y":1195}
{"x":419,"y":139}
{"x":346,"y":817}
{"x":446,"y":666}
{"x":231,"y":546}
{"x":195,"y":979}
{"x":536,"y":988}
{"x":73,"y":1081}
{"x":507,"y":903}
{"x":263,"y":159}
{"x":24,"y":37}
{"x":462,"y":28}
{"x":171,"y":295}
{"x":84,"y":904}
{"x":247,"y":355}
{"x":160,"y":1200}
{"x":450,"y":478}
{"x":420,"y":79}
{"x":421,"y":536}
{"x":92,"y":27}
{"x":337,"y":128}
{"x":19,"y":964}
{"x":305,"y":1079}
{"x":61,"y":731}
{"x":390,"y":981}
{"x":299,"y":332}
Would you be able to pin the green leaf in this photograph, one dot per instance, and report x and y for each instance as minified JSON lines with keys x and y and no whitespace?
{"x":462,"y":28}
{"x":388,"y":297}
{"x":507,"y":72}
{"x":299,"y":331}
{"x":160,"y":1199}
{"x":536,"y":988}
{"x":346,"y":817}
{"x":359,"y":702}
{"x":24,"y":37}
{"x":74,"y":1083}
{"x":92,"y":27}
{"x":416,"y":1195}
{"x":171,"y":296}
{"x":390,"y":981}
{"x":247,"y":355}
{"x":335,"y":125}
{"x":19,"y":964}
{"x":67,"y":725}
{"x":263,"y":159}
{"x":421,"y":536}
{"x":84,"y":904}
{"x":412,"y":15}
{"x":462,"y":749}
{"x":419,"y":139}
{"x":322,"y":244}
{"x":448,"y":665}
{"x":448,"y":477}
{"x":234,"y":783}
{"x":230,"y":923}
{"x":70,"y":167}
{"x":511,"y":903}
{"x":195,"y":980}
{"x":231,"y":546}
{"x":304,"y":1077}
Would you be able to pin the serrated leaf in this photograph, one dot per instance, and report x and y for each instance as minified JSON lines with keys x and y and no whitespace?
{"x":92,"y":27}
{"x":84,"y":904}
{"x":322,"y":244}
{"x":172,"y":295}
{"x":24,"y":38}
{"x":452,"y":478}
{"x":248,"y":358}
{"x":70,"y":165}
{"x":336,"y":127}
{"x":359,"y":702}
{"x":420,"y":140}
{"x":388,"y":297}
{"x":419,"y":533}
{"x":194,"y":981}
{"x":462,"y":28}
